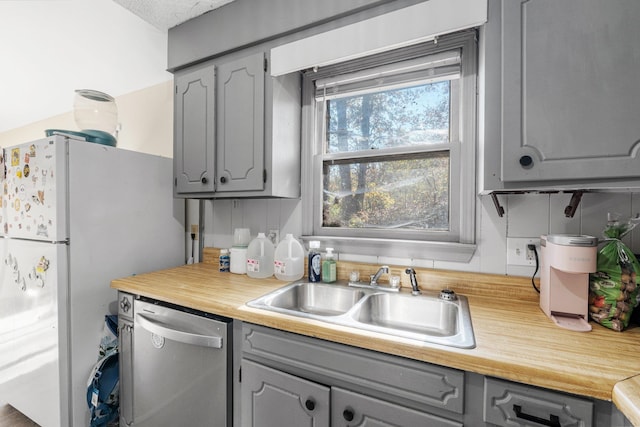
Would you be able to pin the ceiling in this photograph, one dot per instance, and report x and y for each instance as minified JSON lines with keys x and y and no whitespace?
{"x":50,"y":48}
{"x":164,"y":14}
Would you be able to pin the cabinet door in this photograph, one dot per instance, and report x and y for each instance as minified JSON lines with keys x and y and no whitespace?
{"x":241,"y":124}
{"x":570,"y":89}
{"x":271,"y":398}
{"x":194,"y":140}
{"x":353,"y":409}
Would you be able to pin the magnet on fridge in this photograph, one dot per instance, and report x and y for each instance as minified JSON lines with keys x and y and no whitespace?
{"x":32,"y":150}
{"x":43,"y":265}
{"x":15,"y":157}
{"x":26,"y":170}
{"x":26,"y":157}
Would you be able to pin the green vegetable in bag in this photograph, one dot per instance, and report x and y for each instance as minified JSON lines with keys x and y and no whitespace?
{"x":613,"y":291}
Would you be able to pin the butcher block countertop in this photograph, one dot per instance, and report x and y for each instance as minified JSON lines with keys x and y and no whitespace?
{"x":514,"y":338}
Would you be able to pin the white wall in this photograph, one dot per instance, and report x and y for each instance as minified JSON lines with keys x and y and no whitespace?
{"x":526,"y":215}
{"x":146,"y":118}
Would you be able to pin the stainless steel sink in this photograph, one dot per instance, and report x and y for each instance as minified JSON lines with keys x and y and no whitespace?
{"x":429,"y":316}
{"x":319,"y":299}
{"x":425,"y":318}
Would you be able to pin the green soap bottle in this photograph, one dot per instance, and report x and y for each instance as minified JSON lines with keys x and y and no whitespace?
{"x":329,"y":267}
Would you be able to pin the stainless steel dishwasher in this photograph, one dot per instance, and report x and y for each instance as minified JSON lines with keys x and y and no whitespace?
{"x":175,"y":365}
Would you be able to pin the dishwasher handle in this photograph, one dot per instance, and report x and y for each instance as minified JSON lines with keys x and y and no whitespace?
{"x":192,"y":338}
{"x":125,"y":340}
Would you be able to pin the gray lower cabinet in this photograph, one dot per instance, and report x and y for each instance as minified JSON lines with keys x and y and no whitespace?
{"x":562,"y":93}
{"x":272,"y":398}
{"x":354,"y":409}
{"x":511,"y":404}
{"x":292,"y":380}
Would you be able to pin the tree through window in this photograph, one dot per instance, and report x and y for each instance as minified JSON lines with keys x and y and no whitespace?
{"x":391,"y":149}
{"x":393,"y":191}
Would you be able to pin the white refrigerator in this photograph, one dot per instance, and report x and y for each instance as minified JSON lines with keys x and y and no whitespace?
{"x":74,"y":216}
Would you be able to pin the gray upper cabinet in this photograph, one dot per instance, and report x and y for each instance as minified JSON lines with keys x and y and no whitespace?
{"x":241,"y":140}
{"x":240,"y":130}
{"x":562,"y":93}
{"x":194,"y":138}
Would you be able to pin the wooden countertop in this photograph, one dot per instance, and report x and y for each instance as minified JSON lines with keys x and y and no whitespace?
{"x":514,"y":338}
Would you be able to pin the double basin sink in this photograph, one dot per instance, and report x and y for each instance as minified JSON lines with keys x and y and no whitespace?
{"x":432,"y":317}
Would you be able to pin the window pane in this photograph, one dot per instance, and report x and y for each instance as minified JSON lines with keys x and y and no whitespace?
{"x":404,"y":117}
{"x":409,"y":193}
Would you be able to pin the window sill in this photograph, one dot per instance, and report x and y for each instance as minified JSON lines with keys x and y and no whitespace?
{"x":412,"y":249}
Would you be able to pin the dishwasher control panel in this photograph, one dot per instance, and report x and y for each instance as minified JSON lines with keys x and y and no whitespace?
{"x":125,"y":305}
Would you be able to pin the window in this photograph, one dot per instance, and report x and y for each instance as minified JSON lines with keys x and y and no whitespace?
{"x":390,"y":150}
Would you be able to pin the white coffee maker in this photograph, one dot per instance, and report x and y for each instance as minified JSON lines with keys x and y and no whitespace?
{"x":566,"y":261}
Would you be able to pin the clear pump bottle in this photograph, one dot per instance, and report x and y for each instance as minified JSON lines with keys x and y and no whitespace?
{"x":329,"y":267}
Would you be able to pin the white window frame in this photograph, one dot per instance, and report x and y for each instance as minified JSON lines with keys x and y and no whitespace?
{"x":456,"y":245}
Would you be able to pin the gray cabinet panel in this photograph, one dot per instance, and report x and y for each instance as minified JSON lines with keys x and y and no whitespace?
{"x":253,"y":148}
{"x":570,"y":90}
{"x":194,"y":139}
{"x":272,"y":398}
{"x":395,"y":379}
{"x":240,"y":130}
{"x":512,"y":404}
{"x":354,"y":409}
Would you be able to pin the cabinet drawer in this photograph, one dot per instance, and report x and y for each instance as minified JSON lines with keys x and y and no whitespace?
{"x":388,"y":377}
{"x":513,"y":404}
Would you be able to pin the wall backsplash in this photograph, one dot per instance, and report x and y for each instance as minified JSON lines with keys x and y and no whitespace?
{"x":526,"y":215}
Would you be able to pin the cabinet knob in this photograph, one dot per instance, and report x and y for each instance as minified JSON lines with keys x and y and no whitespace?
{"x":204,"y":180}
{"x":526,"y":161}
{"x":348,"y":414}
{"x":223,"y":179}
{"x":310,"y":404}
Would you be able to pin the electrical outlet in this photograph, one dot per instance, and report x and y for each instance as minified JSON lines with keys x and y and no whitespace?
{"x":519,"y":254}
{"x":274,"y":236}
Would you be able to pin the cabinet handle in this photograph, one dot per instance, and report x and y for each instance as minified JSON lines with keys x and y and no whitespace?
{"x":310,"y":404}
{"x":348,"y":414}
{"x":526,"y":162}
{"x":553,"y":421}
{"x":223,"y":179}
{"x":204,"y":180}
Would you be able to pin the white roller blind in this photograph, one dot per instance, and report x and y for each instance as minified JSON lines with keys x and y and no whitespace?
{"x":404,"y":27}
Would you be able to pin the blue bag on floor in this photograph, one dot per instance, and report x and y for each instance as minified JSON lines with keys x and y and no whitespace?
{"x":103,"y":391}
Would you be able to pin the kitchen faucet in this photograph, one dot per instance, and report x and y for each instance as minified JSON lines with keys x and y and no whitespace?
{"x":414,"y":282}
{"x":375,"y":277}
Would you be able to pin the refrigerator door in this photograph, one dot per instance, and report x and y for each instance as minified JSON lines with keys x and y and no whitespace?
{"x":34,"y":189}
{"x":30,"y":301}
